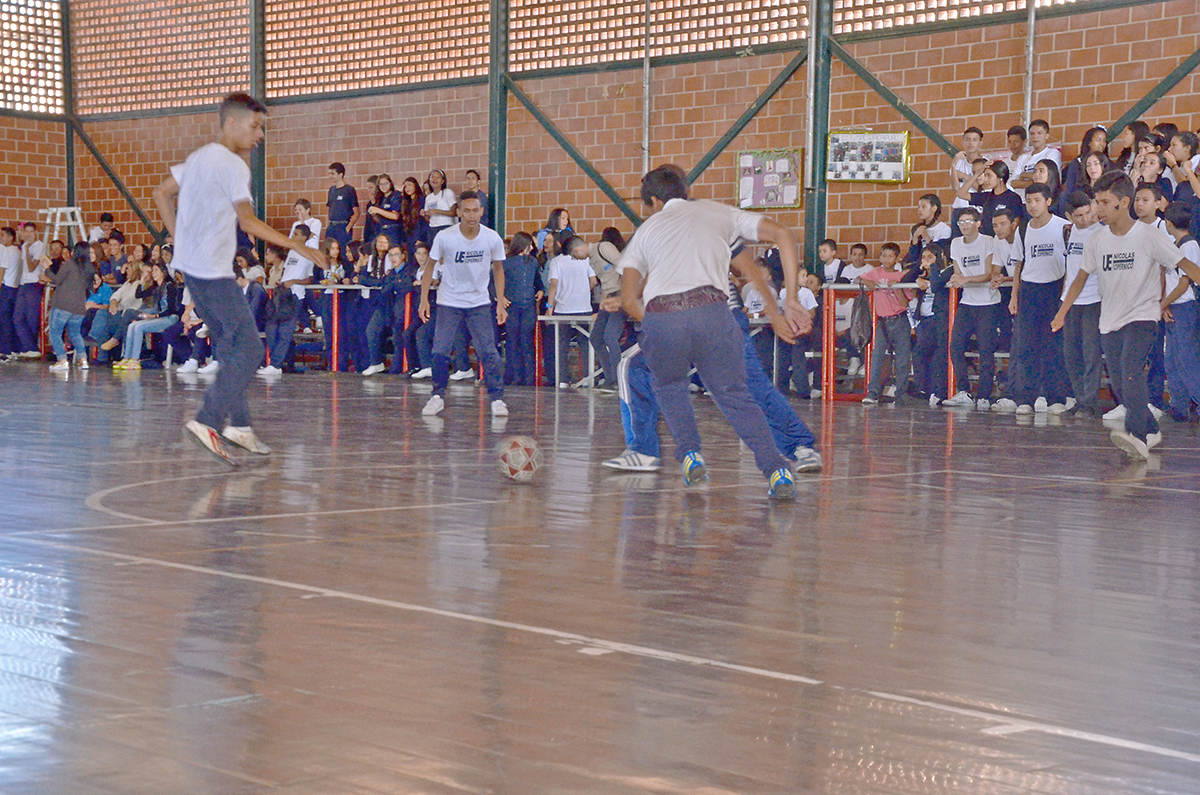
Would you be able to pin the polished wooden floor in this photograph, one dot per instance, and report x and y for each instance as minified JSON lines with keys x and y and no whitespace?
{"x":961,"y":602}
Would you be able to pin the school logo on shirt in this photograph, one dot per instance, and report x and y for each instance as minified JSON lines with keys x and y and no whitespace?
{"x":1041,"y":250}
{"x":469,"y":257}
{"x":1121,"y":261}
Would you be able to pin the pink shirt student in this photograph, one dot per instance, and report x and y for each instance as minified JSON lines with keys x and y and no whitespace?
{"x":888,"y":303}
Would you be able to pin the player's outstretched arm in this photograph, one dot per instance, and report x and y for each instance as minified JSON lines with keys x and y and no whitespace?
{"x":164,"y":200}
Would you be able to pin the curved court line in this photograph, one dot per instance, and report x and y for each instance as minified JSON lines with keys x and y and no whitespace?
{"x":600,"y":646}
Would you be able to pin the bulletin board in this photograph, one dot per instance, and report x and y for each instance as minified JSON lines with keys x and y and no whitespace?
{"x":867,"y":156}
{"x":770,"y":178}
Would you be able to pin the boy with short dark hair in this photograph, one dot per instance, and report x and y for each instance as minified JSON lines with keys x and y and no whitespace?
{"x":342,"y":201}
{"x":893,"y":332}
{"x":10,"y":280}
{"x":1129,"y":258}
{"x":303,"y":210}
{"x":288,"y":298}
{"x":971,"y":255}
{"x":1181,"y":312}
{"x":1015,"y":162}
{"x":1081,"y":333}
{"x":1039,"y":140}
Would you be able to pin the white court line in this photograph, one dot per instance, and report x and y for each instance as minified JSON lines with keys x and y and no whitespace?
{"x":600,"y":646}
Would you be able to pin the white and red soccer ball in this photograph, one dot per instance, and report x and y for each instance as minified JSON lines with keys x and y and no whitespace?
{"x":519,"y":458}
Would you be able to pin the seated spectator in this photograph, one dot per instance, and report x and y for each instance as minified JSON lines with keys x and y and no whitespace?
{"x":108,"y":325}
{"x":296,"y":271}
{"x":160,"y":311}
{"x":101,"y":232}
{"x":1095,"y":141}
{"x":97,"y":299}
{"x":1128,"y":141}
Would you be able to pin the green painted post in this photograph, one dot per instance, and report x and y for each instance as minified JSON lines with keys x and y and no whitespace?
{"x":68,"y":74}
{"x":1158,"y":92}
{"x":498,"y":115}
{"x":258,"y":90}
{"x":816,"y":198}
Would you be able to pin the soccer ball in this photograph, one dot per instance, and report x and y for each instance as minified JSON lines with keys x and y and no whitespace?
{"x":519,"y":458}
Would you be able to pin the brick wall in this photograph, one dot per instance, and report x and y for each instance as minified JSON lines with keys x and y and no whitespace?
{"x":32,"y":168}
{"x":1091,"y":67}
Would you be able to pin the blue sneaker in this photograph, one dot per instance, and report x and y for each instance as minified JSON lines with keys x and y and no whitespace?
{"x":693,"y":469}
{"x":781,"y":485}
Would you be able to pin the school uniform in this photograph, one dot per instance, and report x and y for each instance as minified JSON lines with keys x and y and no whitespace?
{"x":1183,"y":337}
{"x":1037,"y":350}
{"x":976,"y":316}
{"x":522,"y":283}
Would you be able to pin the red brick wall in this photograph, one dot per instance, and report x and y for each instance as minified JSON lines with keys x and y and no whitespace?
{"x":32,"y":169}
{"x":1091,"y":68}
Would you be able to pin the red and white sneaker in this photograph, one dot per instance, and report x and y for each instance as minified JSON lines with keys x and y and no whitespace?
{"x":208,"y":440}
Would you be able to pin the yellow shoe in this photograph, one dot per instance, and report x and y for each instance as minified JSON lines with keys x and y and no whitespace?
{"x":132,"y":364}
{"x":120,"y":364}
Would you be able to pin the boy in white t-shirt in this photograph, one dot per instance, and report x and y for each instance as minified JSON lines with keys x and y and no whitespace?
{"x":1081,"y":333}
{"x":288,"y":297}
{"x":10,"y":280}
{"x":466,"y":254}
{"x":1180,"y":310}
{"x":798,"y":355}
{"x":570,"y":293}
{"x":212,"y":189}
{"x":303,"y":210}
{"x":976,"y":316}
{"x":1129,"y":258}
{"x":1039,"y":140}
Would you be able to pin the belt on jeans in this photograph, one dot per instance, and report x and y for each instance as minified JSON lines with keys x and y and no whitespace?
{"x":691,"y":299}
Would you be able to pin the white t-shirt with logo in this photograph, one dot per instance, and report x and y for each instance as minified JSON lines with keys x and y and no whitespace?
{"x":1008,"y":255}
{"x":31,"y":252}
{"x":573,"y":293}
{"x":211,"y":181}
{"x":972,"y":261}
{"x":10,"y":260}
{"x":465,"y":266}
{"x":296,"y":267}
{"x":1128,"y":267}
{"x":1045,"y":252}
{"x":1190,"y":250}
{"x":442,"y":200}
{"x":1091,"y":288}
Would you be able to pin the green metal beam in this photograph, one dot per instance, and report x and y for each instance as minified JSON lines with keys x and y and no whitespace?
{"x":69,"y":146}
{"x":68,"y":67}
{"x":890,"y":97}
{"x":258,"y":89}
{"x":1158,"y":92}
{"x":573,"y":152}
{"x":498,"y":115}
{"x":112,"y":175}
{"x":736,"y":128}
{"x":816,"y":199}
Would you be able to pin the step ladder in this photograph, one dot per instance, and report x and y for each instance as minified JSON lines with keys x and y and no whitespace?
{"x":58,"y":218}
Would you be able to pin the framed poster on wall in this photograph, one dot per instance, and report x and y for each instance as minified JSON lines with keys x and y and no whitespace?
{"x":770,"y":178}
{"x":865,"y":156}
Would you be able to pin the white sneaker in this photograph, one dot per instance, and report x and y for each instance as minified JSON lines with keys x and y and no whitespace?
{"x":816,"y":393}
{"x":1024,"y":409}
{"x":961,"y":399}
{"x":462,"y":375}
{"x":629,"y":461}
{"x":1040,"y":405}
{"x":81,"y":360}
{"x":806,"y":459}
{"x":1117,"y":413}
{"x":30,"y":355}
{"x":208,"y":440}
{"x":565,"y":385}
{"x":934,"y":401}
{"x":855,"y":367}
{"x":212,"y":366}
{"x":269,"y":370}
{"x":424,"y":373}
{"x":434,"y":406}
{"x":890,"y":392}
{"x":61,"y":366}
{"x":1058,"y":408}
{"x":190,"y":366}
{"x":1071,"y":403}
{"x":1153,"y":440}
{"x":375,"y":368}
{"x":982,"y":404}
{"x":1133,"y":446}
{"x":499,"y":408}
{"x":245,"y":439}
{"x":870,"y":401}
{"x":1155,"y":410}
{"x":1005,"y":405}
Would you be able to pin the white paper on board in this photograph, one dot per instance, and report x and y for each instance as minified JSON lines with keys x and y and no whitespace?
{"x":747,"y":161}
{"x":782,"y":165}
{"x":789,"y":194}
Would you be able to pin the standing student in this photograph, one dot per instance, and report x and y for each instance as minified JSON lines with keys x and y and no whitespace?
{"x":976,"y":317}
{"x":471,"y":181}
{"x":674,"y":278}
{"x":609,"y":326}
{"x":569,"y":293}
{"x":929,"y":229}
{"x":1128,"y":141}
{"x":1095,"y":141}
{"x":412,"y":203}
{"x":465,"y":254}
{"x":1081,"y":332}
{"x":10,"y":281}
{"x":522,"y":289}
{"x":441,"y":205}
{"x":989,"y":193}
{"x":342,"y":201}
{"x":1037,"y":286}
{"x":288,"y":297}
{"x":68,"y":306}
{"x":930,"y":360}
{"x":1017,"y":156}
{"x":303,"y":210}
{"x":893,"y":332}
{"x":386,"y":211}
{"x":213,"y":192}
{"x":27,"y":313}
{"x":1039,"y":140}
{"x":1183,"y":320}
{"x":962,"y":167}
{"x":1148,"y":205}
{"x":1130,"y":259}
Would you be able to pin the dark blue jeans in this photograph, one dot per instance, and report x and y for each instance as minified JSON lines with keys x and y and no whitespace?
{"x":221,"y":304}
{"x":606,"y":339}
{"x":787,"y":429}
{"x":1183,"y":356}
{"x":1126,"y":351}
{"x":1037,"y":353}
{"x":519,"y":360}
{"x":708,"y":338}
{"x":8,"y":331}
{"x":281,"y":329}
{"x":639,"y":406}
{"x":27,"y":316}
{"x":980,"y":322}
{"x":1082,"y":353}
{"x":930,"y":355}
{"x":480,"y":321}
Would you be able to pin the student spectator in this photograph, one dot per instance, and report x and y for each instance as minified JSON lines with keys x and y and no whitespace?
{"x":68,"y":305}
{"x":471,"y":181}
{"x":108,"y":325}
{"x":1008,"y":251}
{"x":1130,"y":303}
{"x":570,"y":294}
{"x":161,"y":308}
{"x":441,"y":205}
{"x":930,"y":360}
{"x":333,"y":273}
{"x":1017,"y":156}
{"x":976,"y":315}
{"x":1082,"y":353}
{"x":102,"y":231}
{"x":1039,"y":139}
{"x":1183,"y":160}
{"x":423,"y":331}
{"x":297,"y":272}
{"x":98,"y":297}
{"x":414,"y":227}
{"x":928,"y":229}
{"x":1128,"y":141}
{"x":557,"y":225}
{"x":342,"y":201}
{"x":1045,"y":172}
{"x":609,"y":326}
{"x":1149,"y":204}
{"x":386,"y":211}
{"x":522,"y":289}
{"x":384,"y":273}
{"x":1095,"y":140}
{"x":962,"y":167}
{"x":1154,"y":166}
{"x":303,"y":210}
{"x":370,"y":224}
{"x":1037,"y":286}
{"x":992,"y":196}
{"x":1183,"y":320}
{"x":792,"y":363}
{"x":112,"y":268}
{"x":831,"y":266}
{"x":27,"y":312}
{"x":893,"y":332}
{"x":10,"y":281}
